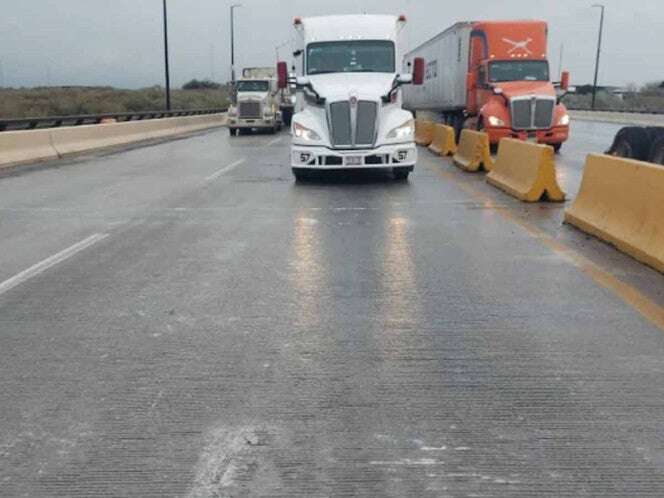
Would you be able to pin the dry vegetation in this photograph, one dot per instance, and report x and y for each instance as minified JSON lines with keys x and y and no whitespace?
{"x":38,"y":102}
{"x":649,"y":98}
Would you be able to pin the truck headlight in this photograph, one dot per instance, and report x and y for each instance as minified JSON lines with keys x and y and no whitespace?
{"x":232,"y":111}
{"x":305,"y":133}
{"x":403,"y":132}
{"x":495,"y":121}
{"x":565,"y":120}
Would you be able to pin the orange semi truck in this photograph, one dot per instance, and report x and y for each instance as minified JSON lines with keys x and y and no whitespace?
{"x":492,"y":76}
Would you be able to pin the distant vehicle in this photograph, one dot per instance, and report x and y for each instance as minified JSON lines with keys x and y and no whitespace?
{"x":495,"y":77}
{"x":640,"y":143}
{"x":256,"y":102}
{"x":348,"y":112}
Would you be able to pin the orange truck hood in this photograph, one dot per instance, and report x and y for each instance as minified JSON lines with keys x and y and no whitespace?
{"x":523,"y":88}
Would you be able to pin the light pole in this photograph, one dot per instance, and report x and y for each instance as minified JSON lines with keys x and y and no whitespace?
{"x":599,"y":52}
{"x":233,"y":7}
{"x":166,"y":65}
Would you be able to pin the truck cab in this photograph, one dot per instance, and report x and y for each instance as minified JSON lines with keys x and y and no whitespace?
{"x":349,"y":111}
{"x":255,"y":102}
{"x":509,"y":89}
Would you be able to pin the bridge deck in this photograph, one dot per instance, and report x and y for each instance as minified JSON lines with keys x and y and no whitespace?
{"x":184,"y":320}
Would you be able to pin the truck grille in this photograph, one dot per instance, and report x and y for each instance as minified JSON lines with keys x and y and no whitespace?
{"x":340,"y":125}
{"x":353,"y":127}
{"x":532,"y":113}
{"x":250,"y":110}
{"x":365,"y":128}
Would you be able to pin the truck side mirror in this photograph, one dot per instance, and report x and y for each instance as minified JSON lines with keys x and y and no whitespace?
{"x":282,"y":75}
{"x":471,"y":81}
{"x":564,"y":81}
{"x":418,"y":71}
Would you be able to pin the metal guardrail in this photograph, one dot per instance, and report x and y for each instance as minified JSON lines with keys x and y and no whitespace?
{"x":57,"y":121}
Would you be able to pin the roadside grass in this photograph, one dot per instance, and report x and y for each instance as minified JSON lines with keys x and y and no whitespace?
{"x":69,"y":101}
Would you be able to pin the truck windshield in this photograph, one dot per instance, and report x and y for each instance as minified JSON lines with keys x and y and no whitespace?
{"x":365,"y":56}
{"x":252,"y":86}
{"x":518,"y":71}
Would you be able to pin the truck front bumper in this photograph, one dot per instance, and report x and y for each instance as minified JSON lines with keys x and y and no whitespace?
{"x":235,"y":123}
{"x":554,"y":136}
{"x":384,"y":156}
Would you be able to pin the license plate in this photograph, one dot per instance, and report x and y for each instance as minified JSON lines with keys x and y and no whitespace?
{"x":353,"y":160}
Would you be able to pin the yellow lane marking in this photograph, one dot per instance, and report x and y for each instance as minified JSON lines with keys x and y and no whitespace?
{"x":641,"y":303}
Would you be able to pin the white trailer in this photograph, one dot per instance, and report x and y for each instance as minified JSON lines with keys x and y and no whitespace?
{"x":444,"y":87}
{"x":349,"y":107}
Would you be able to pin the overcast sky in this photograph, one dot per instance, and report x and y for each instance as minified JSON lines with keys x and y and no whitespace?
{"x":119,"y":42}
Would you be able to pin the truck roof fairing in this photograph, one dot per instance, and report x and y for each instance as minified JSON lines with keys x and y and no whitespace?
{"x":351,"y":27}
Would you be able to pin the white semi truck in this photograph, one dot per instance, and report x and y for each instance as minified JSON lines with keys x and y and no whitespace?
{"x":256,"y":102}
{"x":349,"y":111}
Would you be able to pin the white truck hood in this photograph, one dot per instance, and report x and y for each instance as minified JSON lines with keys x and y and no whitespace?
{"x":342,"y":86}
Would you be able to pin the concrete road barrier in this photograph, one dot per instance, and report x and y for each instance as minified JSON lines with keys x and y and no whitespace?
{"x":443,"y":140}
{"x":621,"y":201}
{"x":526,"y":171}
{"x":424,"y":132}
{"x":24,"y":147}
{"x":78,"y":139}
{"x":17,"y":147}
{"x":473,"y":152}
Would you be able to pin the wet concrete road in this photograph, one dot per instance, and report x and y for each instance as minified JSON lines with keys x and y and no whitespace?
{"x":184,"y":320}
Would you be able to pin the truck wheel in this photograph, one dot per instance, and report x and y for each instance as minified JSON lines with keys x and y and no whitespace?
{"x":557,"y":147}
{"x":480,"y":124}
{"x":632,"y":142}
{"x":287,"y":116}
{"x":301,"y":174}
{"x":401,"y":174}
{"x":656,"y":155}
{"x":459,"y":123}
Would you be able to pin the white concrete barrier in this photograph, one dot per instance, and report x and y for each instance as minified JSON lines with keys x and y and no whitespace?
{"x":24,"y":147}
{"x":17,"y":147}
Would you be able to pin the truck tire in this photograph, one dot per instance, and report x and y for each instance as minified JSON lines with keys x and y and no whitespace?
{"x":232,"y":132}
{"x":656,"y":155}
{"x":401,"y":174}
{"x":287,"y":116}
{"x":302,"y":174}
{"x":631,"y":142}
{"x":458,"y":123}
{"x":557,"y":147}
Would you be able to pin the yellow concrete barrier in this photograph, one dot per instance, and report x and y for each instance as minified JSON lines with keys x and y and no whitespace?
{"x":20,"y":147}
{"x":526,"y":171}
{"x":423,"y":132}
{"x":473,"y":152}
{"x":443,"y":140}
{"x":621,"y":201}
